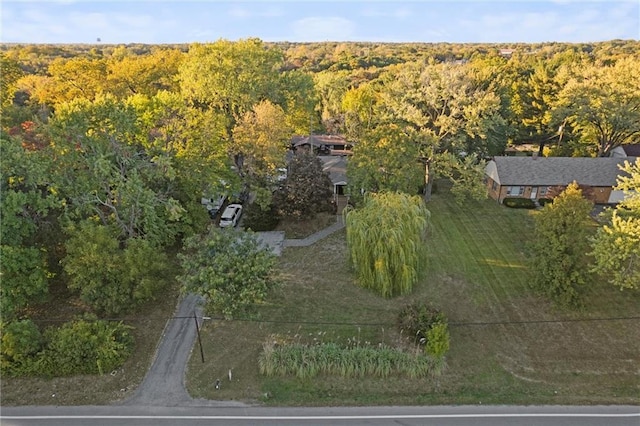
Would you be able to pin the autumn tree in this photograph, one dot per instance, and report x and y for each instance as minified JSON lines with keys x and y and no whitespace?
{"x":306,"y":190}
{"x":231,"y":270}
{"x":11,"y":72}
{"x":386,"y":239}
{"x":231,"y":77}
{"x":616,"y":245}
{"x":260,"y":142}
{"x":144,"y":74}
{"x":74,"y":78}
{"x":560,"y":243}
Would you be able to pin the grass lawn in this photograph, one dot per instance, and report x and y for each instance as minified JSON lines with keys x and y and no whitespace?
{"x":478,"y":273}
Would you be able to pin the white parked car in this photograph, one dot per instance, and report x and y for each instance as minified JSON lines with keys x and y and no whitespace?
{"x":231,"y":216}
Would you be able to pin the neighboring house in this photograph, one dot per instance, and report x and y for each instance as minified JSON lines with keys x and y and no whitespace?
{"x":322,"y":144}
{"x":533,"y":177}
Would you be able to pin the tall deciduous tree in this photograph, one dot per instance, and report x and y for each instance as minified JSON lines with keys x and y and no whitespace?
{"x":231,"y":77}
{"x":603,"y":105}
{"x":559,"y":247}
{"x":616,"y":246}
{"x":260,"y":142}
{"x":231,"y":270}
{"x":450,"y":111}
{"x":105,"y":172}
{"x":11,"y":72}
{"x":386,"y":158}
{"x":386,"y":240}
{"x":144,"y":74}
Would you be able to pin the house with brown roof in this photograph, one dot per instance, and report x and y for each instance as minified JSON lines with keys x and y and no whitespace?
{"x":533,"y":177}
{"x":322,"y":144}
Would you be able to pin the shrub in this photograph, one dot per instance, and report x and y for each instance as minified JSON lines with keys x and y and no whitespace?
{"x":437,"y":344}
{"x":417,"y":319}
{"x":544,"y":201}
{"x":258,"y":220}
{"x":86,"y":347}
{"x":21,"y":341}
{"x":519,"y":203}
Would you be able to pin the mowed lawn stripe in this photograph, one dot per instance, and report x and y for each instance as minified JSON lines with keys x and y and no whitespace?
{"x":464,"y":230}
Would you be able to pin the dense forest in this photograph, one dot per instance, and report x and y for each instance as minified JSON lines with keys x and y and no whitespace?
{"x":107,"y":150}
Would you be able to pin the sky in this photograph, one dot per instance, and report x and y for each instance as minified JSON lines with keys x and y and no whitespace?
{"x":430,"y":21}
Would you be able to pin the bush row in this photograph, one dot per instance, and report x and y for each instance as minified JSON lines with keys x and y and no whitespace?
{"x":85,"y":346}
{"x":519,"y":203}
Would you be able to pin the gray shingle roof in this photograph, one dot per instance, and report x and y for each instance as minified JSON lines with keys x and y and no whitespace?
{"x":550,"y":171}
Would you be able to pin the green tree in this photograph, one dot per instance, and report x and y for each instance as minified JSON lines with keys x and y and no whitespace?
{"x":105,"y":171}
{"x":616,"y":245}
{"x":331,"y":87}
{"x":306,"y":190}
{"x":111,"y":279}
{"x":559,"y":247}
{"x":231,"y":270}
{"x":21,"y":341}
{"x":467,"y":174}
{"x":386,"y":158}
{"x":28,"y":210}
{"x":449,"y":109}
{"x":231,"y":77}
{"x":386,"y":240}
{"x":603,"y":105}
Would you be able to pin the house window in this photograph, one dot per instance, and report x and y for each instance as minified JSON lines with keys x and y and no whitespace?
{"x":494,"y":186}
{"x":515,"y":191}
{"x":542,"y":191}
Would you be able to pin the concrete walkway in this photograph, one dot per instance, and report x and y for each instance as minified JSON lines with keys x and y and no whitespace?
{"x":314,"y":238}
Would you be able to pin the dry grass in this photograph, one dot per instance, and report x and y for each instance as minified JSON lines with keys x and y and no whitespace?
{"x":478,"y":272}
{"x":304,"y":228}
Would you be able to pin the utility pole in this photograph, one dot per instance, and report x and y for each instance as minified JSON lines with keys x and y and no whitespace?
{"x":199,"y":339}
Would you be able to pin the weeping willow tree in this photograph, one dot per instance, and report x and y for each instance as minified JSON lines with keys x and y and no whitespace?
{"x":386,"y":239}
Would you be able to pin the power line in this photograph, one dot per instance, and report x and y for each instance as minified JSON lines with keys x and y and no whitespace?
{"x":360,"y":324}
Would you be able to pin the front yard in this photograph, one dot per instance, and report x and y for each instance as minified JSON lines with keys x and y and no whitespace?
{"x":508,"y":345}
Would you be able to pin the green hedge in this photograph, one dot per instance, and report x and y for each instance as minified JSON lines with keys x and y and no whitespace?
{"x":544,"y":201}
{"x":86,"y":346}
{"x":519,"y":203}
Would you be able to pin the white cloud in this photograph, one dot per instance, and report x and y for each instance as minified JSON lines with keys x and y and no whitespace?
{"x":319,"y":28}
{"x":239,"y":12}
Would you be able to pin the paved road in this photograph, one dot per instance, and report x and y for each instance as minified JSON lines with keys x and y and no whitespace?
{"x":408,"y":416}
